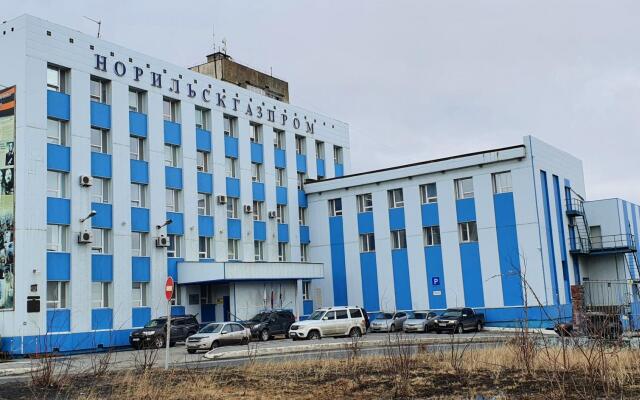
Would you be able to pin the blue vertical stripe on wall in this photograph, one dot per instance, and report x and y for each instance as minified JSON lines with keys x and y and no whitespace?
{"x":369,"y":274}
{"x":401,"y":279}
{"x":58,"y":266}
{"x":472,"y":274}
{"x":508,"y":251}
{"x":563,"y":247}
{"x":435,"y":269}
{"x":338,"y":267}
{"x":550,"y":242}
{"x":140,"y":316}
{"x":627,"y":228}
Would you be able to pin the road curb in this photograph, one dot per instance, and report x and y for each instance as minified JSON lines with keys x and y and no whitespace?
{"x":14,"y":371}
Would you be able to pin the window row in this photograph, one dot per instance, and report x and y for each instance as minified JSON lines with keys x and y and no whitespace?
{"x":58,"y":295}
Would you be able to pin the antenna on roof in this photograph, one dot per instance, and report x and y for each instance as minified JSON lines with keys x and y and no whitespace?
{"x":213,"y":37}
{"x":97,"y":22}
{"x":224,"y":46}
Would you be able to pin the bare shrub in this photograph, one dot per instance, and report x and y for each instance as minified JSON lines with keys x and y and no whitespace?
{"x":399,"y":360}
{"x":145,"y":358}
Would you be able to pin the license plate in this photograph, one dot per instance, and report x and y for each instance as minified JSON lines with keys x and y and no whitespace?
{"x":135,"y":339}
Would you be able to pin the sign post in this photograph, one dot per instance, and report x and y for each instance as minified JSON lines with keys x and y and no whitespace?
{"x":168,"y":293}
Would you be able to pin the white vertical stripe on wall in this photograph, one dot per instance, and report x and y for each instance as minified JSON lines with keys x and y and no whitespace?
{"x":271,"y":245}
{"x":450,"y":246}
{"x":352,"y":249}
{"x":219,"y":185}
{"x":383,"y":250}
{"x":415,"y":245}
{"x":189,"y":180}
{"x":292,"y":197}
{"x":320,"y":248}
{"x":246,"y":189}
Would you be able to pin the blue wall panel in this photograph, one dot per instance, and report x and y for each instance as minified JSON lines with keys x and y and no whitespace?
{"x":58,"y":266}
{"x":176,"y":227}
{"x":58,"y":320}
{"x":137,"y":124}
{"x":401,"y":279}
{"x":339,"y":168}
{"x":369,"y":274}
{"x":172,"y":133}
{"x":139,"y":219}
{"x":338,"y":264}
{"x":205,"y":182}
{"x":365,"y":222}
{"x":259,"y":230}
{"x":100,"y":115}
{"x":205,"y":225}
{"x":307,"y":307}
{"x":257,"y":188}
{"x":562,"y":237}
{"x":435,"y":278}
{"x":58,"y":158}
{"x":430,"y":216}
{"x":550,"y":242}
{"x":103,"y":218}
{"x":301,"y":163}
{"x":203,"y":140}
{"x":230,"y":147}
{"x":58,"y":211}
{"x":466,"y":210}
{"x":139,"y":171}
{"x":396,"y":218}
{"x":101,"y":267}
{"x":140,"y":316}
{"x":172,"y":268}
{"x":508,"y":251}
{"x":140,"y":269}
{"x":177,"y":311}
{"x":471,"y":275}
{"x":281,"y":195}
{"x":100,"y":165}
{"x":283,"y":233}
{"x":257,"y":153}
{"x":302,"y":199}
{"x":304,"y":234}
{"x":280,"y":158}
{"x":58,"y":105}
{"x":101,"y":318}
{"x":234,"y":228}
{"x":173,"y":177}
{"x":320,"y":170}
{"x":233,"y":187}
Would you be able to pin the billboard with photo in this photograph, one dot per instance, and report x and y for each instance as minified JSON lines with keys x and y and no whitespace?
{"x":7,"y":199}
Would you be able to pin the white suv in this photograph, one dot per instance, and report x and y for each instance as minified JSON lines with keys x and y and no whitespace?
{"x":332,"y":321}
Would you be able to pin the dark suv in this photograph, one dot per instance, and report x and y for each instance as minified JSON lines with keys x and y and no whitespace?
{"x":266,"y":324}
{"x":153,"y":334}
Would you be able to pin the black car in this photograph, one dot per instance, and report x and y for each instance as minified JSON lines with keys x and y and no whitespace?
{"x":153,"y":334}
{"x":266,"y":324}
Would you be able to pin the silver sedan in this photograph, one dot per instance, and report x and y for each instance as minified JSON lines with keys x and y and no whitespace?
{"x":388,"y":322}
{"x":218,"y":334}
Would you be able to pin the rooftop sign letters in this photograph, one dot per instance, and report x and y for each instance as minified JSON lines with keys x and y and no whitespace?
{"x":205,"y":94}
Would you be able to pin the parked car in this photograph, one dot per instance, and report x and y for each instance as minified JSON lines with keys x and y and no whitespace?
{"x":154,"y":333}
{"x":332,"y":321}
{"x":388,"y":322}
{"x":266,"y":324}
{"x":421,"y":321}
{"x":218,"y":334}
{"x":458,"y":320}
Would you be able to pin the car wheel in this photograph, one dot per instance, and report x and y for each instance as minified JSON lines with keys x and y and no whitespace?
{"x":392,"y":329}
{"x":460,"y":329}
{"x":244,"y":341}
{"x":214,"y":345}
{"x":355,"y":333}
{"x":426,"y":329}
{"x":191,"y":351}
{"x":314,"y":335}
{"x":479,"y":327}
{"x":264,"y":335}
{"x":159,"y":342}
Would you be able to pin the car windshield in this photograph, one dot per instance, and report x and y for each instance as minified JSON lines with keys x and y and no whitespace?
{"x":155,"y":323}
{"x":317,"y":315}
{"x":260,"y":317}
{"x":211,"y":328}
{"x":420,"y":315}
{"x":385,"y":316}
{"x":452,"y":313}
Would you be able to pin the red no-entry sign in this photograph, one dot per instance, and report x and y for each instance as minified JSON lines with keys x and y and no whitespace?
{"x":168,"y":288}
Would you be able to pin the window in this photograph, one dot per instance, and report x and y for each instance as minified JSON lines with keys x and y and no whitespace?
{"x":204,"y":204}
{"x":233,"y":253}
{"x":282,"y":252}
{"x":56,"y":132}
{"x":365,"y":202}
{"x":278,"y":139}
{"x":136,"y":148}
{"x":281,"y":214}
{"x":170,"y":110}
{"x":176,"y":299}
{"x":101,"y":241}
{"x":173,"y":200}
{"x":56,"y":184}
{"x":396,"y":199}
{"x":138,"y":244}
{"x":304,"y":252}
{"x":57,"y":294}
{"x":281,"y":177}
{"x":231,"y":167}
{"x":57,"y":238}
{"x":232,"y":207}
{"x":431,"y":235}
{"x":99,"y":140}
{"x":139,"y":294}
{"x":399,"y":239}
{"x":171,"y":153}
{"x":502,"y":182}
{"x":302,"y":215}
{"x":100,"y":294}
{"x":175,"y":246}
{"x":428,"y":193}
{"x":230,"y":126}
{"x":202,"y":161}
{"x":306,"y":290}
{"x":319,"y":150}
{"x":337,"y":154}
{"x":464,"y":188}
{"x":256,"y":133}
{"x":136,"y":101}
{"x":55,"y":79}
{"x":98,"y":90}
{"x":100,"y":190}
{"x":468,"y":232}
{"x":300,"y":145}
{"x":256,"y":172}
{"x":301,"y":177}
{"x":202,"y":119}
{"x":367,"y":243}
{"x":258,"y":210}
{"x":258,"y":250}
{"x":335,"y":207}
{"x":138,"y":195}
{"x":342,"y":314}
{"x":204,"y":247}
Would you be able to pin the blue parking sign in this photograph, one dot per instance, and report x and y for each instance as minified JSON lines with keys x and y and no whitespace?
{"x":435,"y":281}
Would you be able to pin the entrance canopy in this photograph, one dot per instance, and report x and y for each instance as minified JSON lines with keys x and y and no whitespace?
{"x":198,"y":272}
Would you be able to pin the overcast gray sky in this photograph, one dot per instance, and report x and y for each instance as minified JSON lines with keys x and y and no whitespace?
{"x":418,"y":79}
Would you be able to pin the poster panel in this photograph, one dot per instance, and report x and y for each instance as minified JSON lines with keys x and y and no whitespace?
{"x":7,"y":198}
